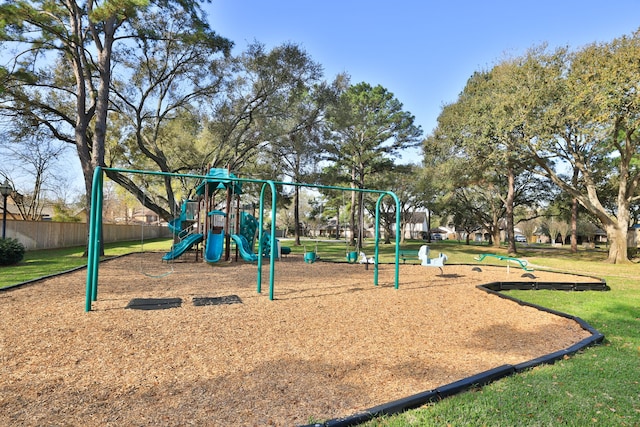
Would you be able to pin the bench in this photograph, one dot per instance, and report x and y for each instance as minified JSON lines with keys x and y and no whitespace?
{"x":406,"y":254}
{"x":521,"y":262}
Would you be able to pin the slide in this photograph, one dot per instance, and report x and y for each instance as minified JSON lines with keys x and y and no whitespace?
{"x":213,"y":251}
{"x":175,"y":225}
{"x":179,"y":226}
{"x":183,"y":246}
{"x":244,"y":248}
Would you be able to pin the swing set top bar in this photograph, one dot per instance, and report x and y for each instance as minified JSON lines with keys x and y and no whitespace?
{"x":249,"y":180}
{"x":95,"y":224}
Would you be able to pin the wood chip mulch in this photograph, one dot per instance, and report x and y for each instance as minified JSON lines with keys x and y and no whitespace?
{"x":330,"y":345}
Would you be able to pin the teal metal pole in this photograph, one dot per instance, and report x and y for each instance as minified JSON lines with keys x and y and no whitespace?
{"x":272,"y":260}
{"x":398,"y":235}
{"x":377,"y":240}
{"x":92,"y":265}
{"x":272,"y":243}
{"x":98,"y":245}
{"x":90,"y":245}
{"x":260,"y":237}
{"x":398,"y":231}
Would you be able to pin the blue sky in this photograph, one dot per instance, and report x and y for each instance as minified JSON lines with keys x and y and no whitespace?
{"x":422,"y":51}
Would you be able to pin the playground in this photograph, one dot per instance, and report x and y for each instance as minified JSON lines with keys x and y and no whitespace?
{"x":331,"y":343}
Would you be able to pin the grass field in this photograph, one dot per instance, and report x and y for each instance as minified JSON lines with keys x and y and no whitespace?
{"x":599,"y":386}
{"x":45,"y":262}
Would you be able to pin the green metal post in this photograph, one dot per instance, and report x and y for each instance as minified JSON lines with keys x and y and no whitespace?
{"x":93,"y":246}
{"x":98,"y":240}
{"x":398,"y":235}
{"x":272,"y":249}
{"x":398,"y":231}
{"x":260,"y":237}
{"x":377,"y":240}
{"x":272,"y":260}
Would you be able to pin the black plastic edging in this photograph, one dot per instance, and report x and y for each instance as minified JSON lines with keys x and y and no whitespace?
{"x":595,"y":338}
{"x":548,"y":359}
{"x":390,"y":408}
{"x":477,"y":380}
{"x":491,"y":375}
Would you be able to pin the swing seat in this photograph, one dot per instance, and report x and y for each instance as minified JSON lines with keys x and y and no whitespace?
{"x":310,"y":257}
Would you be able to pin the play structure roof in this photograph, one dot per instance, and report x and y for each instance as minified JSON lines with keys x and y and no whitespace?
{"x":219,"y":179}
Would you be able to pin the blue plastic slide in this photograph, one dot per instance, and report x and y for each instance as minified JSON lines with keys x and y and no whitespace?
{"x":213,"y":251}
{"x":175,"y":225}
{"x":244,"y":248}
{"x":183,"y":246}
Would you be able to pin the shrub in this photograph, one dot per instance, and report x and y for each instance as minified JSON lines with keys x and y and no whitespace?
{"x":11,"y":251}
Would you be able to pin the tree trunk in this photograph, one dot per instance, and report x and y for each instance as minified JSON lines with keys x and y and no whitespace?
{"x":616,"y":227}
{"x":618,"y":245}
{"x":387,"y":234}
{"x":495,"y":231}
{"x":511,"y":241}
{"x":96,"y":151}
{"x":495,"y":238}
{"x":617,"y":232}
{"x":574,"y":214}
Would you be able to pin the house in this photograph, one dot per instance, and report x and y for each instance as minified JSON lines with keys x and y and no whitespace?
{"x":13,"y":212}
{"x":415,"y":225}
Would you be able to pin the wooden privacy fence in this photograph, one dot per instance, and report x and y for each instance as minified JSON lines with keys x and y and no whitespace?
{"x":52,"y":235}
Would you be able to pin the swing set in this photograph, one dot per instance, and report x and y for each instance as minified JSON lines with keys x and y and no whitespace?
{"x":95,"y":226}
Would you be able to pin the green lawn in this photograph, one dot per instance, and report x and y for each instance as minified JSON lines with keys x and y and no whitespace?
{"x":45,"y":262}
{"x":599,"y":386}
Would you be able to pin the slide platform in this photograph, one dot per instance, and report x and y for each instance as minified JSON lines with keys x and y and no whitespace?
{"x":213,"y":251}
{"x":181,"y":247}
{"x":243,"y":247}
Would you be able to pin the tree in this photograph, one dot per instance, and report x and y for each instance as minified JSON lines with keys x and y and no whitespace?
{"x":475,"y":154}
{"x":368,"y":126}
{"x":334,"y":175}
{"x":402,"y":180}
{"x":528,"y":228}
{"x":298,"y":125}
{"x":61,"y":75}
{"x":36,"y":158}
{"x":553,"y":227}
{"x":480,"y":123}
{"x":161,"y":86}
{"x":564,"y":229}
{"x":586,"y":116}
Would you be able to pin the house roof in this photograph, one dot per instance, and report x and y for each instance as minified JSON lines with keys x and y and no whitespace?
{"x":417,"y":217}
